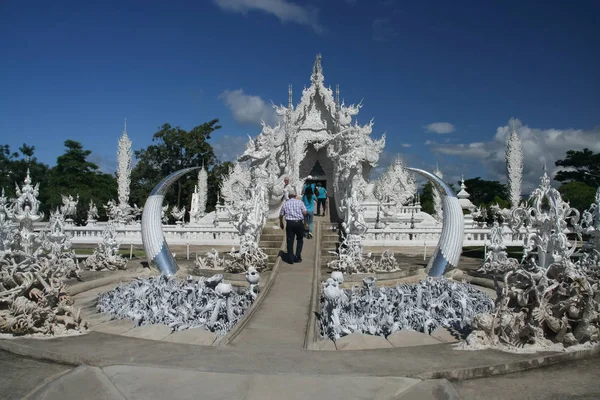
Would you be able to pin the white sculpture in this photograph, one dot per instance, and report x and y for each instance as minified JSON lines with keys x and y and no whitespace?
{"x":396,"y":185}
{"x":199,"y":197}
{"x":164,"y":216}
{"x":497,"y":260}
{"x":590,"y":224}
{"x":437,"y":197}
{"x":207,"y":303}
{"x":106,"y":256}
{"x":124,"y":156}
{"x":548,"y":298}
{"x":548,"y":223}
{"x":178,"y":214}
{"x":514,"y":167}
{"x":381,"y":311}
{"x":92,"y":215}
{"x":69,"y":207}
{"x":25,"y":211}
{"x":33,"y":298}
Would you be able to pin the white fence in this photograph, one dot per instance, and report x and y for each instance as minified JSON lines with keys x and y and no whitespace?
{"x":174,"y":234}
{"x":430,"y":237}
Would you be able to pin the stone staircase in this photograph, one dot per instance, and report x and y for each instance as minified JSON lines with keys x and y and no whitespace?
{"x":271,"y":240}
{"x":330,"y":241}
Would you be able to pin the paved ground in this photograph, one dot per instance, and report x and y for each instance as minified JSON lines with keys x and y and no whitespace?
{"x":41,"y":380}
{"x":19,"y":375}
{"x":570,"y":380}
{"x":281,"y":320}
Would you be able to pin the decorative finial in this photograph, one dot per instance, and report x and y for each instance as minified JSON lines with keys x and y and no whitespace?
{"x":317,"y":76}
{"x":290,"y":103}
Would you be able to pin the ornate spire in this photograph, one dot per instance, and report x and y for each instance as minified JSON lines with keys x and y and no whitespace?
{"x":124,"y":155}
{"x":317,"y":75}
{"x":290,"y":103}
{"x":514,"y":166}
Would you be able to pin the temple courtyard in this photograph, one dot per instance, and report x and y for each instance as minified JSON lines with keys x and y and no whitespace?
{"x":275,"y":353}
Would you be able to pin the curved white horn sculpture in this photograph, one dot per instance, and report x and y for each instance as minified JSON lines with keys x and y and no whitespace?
{"x":449,"y":247}
{"x":153,"y":238}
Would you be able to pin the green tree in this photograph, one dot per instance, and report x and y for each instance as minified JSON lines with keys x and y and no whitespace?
{"x":578,"y":194}
{"x":173,"y":149}
{"x":485,"y":192}
{"x":584,"y":166}
{"x":582,"y":178}
{"x":427,"y":198}
{"x":74,"y":175}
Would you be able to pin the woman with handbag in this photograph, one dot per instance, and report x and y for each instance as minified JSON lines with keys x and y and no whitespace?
{"x":309,"y":199}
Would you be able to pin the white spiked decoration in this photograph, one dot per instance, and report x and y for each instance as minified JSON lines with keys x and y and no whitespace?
{"x":514,"y":166}
{"x":124,"y":156}
{"x":437,"y":197}
{"x":202,"y":190}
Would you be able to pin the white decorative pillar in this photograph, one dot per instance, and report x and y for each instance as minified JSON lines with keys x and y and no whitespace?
{"x":514,"y":167}
{"x":124,"y":156}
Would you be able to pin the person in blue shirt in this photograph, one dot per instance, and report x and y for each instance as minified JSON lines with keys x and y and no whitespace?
{"x":321,"y":193}
{"x":309,"y":199}
{"x":309,"y":183}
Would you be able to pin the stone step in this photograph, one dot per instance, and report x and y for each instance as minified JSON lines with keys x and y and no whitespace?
{"x":271,"y":237}
{"x":270,"y":244}
{"x":272,"y":231}
{"x":272,"y":252}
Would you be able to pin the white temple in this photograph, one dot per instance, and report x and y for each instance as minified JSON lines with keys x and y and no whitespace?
{"x":318,"y":137}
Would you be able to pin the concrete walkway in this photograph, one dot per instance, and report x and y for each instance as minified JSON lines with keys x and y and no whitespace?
{"x":281,"y":321}
{"x":122,"y":382}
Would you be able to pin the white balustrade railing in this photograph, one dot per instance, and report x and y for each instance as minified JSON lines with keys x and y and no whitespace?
{"x":430,"y":236}
{"x":174,"y":234}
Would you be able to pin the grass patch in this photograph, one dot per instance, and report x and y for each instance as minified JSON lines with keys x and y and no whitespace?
{"x":478,"y":251}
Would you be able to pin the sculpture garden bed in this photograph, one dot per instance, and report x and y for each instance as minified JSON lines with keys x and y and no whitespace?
{"x":207,"y":303}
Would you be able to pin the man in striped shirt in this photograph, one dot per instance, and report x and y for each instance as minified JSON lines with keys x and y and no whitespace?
{"x":293,"y":211}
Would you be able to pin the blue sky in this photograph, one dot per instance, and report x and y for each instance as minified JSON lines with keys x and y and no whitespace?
{"x":76,"y":70}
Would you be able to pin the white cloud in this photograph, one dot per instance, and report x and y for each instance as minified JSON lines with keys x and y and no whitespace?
{"x":406,"y":145}
{"x":440,"y":128}
{"x":248,"y":109}
{"x":429,"y":142}
{"x":228,"y":147}
{"x":539,"y":146}
{"x":284,"y":10}
{"x":383,"y":29}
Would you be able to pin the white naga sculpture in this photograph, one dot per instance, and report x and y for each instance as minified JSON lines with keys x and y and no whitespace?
{"x":199,"y":197}
{"x":514,"y":167}
{"x":33,"y":297}
{"x":548,"y":298}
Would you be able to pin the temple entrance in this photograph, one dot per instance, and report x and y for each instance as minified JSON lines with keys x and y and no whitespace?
{"x":317,"y":165}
